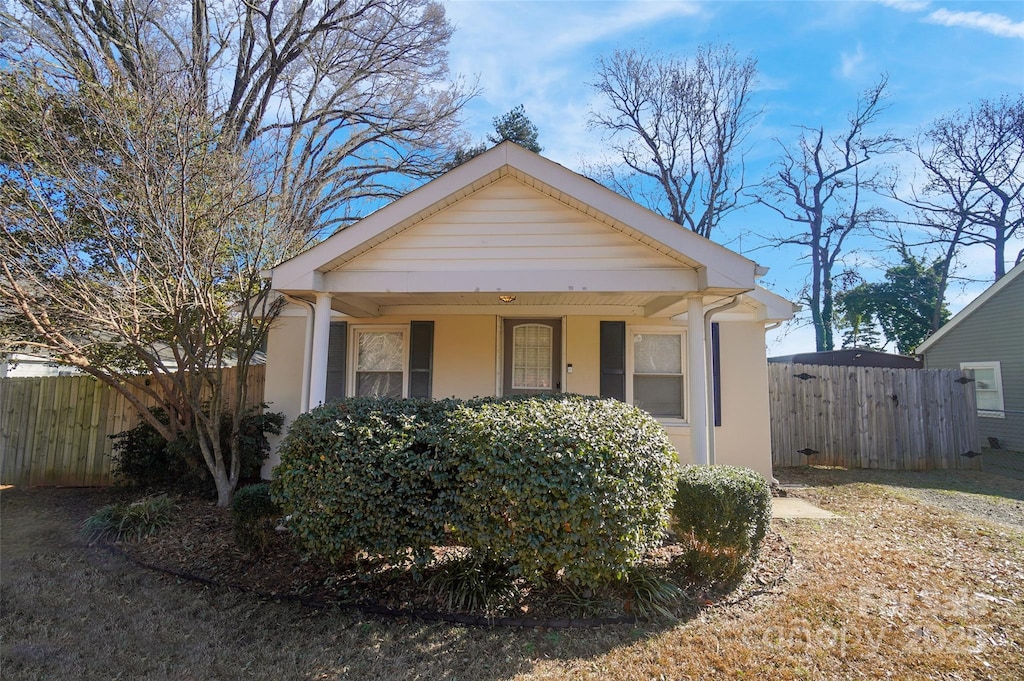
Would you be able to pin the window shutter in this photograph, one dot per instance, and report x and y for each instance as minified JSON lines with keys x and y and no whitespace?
{"x":613,"y":360}
{"x":421,"y":358}
{"x":337,"y":355}
{"x":716,"y":373}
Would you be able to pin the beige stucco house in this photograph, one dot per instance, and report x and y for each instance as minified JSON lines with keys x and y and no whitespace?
{"x":513,"y":274}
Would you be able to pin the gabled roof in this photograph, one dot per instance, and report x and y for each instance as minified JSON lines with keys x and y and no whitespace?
{"x":718,"y":266}
{"x":963,"y":314}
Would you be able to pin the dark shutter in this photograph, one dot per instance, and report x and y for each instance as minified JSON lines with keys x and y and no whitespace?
{"x":613,"y":360}
{"x":716,"y":374}
{"x":421,"y":358}
{"x":337,"y":355}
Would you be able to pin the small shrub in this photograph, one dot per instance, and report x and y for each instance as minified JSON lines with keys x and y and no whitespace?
{"x":130,"y":521}
{"x":721,"y":516}
{"x":255,"y":517}
{"x":144,"y":459}
{"x":573,"y":487}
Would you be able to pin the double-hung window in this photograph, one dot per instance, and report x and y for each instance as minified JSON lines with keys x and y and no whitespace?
{"x":988,"y":386}
{"x":380,"y":361}
{"x":658,"y":385}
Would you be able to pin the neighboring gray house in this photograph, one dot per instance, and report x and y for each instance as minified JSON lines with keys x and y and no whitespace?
{"x":987,"y":336}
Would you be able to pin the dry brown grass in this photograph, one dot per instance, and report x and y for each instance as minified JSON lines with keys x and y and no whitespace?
{"x":896,"y":587}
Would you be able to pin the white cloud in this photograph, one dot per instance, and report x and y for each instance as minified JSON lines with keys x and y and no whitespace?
{"x":905,"y":5}
{"x":996,"y":24}
{"x":850,"y":63}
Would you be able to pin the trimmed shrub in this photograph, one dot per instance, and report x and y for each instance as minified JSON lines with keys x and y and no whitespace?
{"x":143,"y":458}
{"x":721,"y":516}
{"x":130,"y":521}
{"x":565,"y":486}
{"x":363,"y":475}
{"x":255,"y":515}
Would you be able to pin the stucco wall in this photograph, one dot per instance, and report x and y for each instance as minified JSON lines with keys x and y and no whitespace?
{"x":466,"y":361}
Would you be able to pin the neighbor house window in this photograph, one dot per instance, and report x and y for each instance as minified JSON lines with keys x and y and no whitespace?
{"x":532,"y":352}
{"x":657,"y":372}
{"x":988,"y":386}
{"x":379,"y":361}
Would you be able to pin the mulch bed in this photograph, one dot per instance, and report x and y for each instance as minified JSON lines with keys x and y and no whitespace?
{"x":200,"y":547}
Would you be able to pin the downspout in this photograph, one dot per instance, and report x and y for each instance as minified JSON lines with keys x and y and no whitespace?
{"x":709,"y":364}
{"x":307,"y":350}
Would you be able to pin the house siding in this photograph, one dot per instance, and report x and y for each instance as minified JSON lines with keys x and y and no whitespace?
{"x":509,"y":226}
{"x":994,"y":332}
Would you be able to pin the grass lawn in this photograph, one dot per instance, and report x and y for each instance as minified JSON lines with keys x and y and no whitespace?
{"x":921,"y":576}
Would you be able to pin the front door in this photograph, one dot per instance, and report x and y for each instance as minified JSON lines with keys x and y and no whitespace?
{"x":532,"y":356}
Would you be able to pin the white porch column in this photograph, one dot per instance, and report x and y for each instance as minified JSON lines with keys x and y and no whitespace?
{"x":318,"y":362}
{"x":698,"y":380}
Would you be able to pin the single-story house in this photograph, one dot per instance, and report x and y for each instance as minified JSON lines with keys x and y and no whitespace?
{"x":511,"y":274}
{"x":987,"y":337}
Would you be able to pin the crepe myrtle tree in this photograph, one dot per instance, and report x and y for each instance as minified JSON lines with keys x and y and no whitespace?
{"x":157,"y":156}
{"x":131,"y":245}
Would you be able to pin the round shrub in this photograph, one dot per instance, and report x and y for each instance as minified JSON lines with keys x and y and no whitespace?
{"x":721,"y":516}
{"x":362,"y":475}
{"x":568,"y":485}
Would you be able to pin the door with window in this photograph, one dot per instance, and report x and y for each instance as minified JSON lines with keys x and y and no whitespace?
{"x":532,"y":356}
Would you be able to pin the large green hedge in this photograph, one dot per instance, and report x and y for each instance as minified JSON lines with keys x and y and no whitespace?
{"x":562,"y":485}
{"x":362,"y":475}
{"x":571,"y":486}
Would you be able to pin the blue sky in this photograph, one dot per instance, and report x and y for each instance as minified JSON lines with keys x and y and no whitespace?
{"x":814,"y":58}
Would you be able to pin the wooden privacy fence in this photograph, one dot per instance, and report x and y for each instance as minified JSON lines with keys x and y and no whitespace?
{"x":868,"y":417}
{"x":55,"y":430}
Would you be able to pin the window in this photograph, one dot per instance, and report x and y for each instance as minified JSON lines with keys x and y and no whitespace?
{"x":532,"y":352}
{"x":379,"y":362}
{"x":658,"y":385}
{"x":988,"y":386}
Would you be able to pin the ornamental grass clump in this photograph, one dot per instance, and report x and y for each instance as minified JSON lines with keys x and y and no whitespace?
{"x":566,"y":487}
{"x":130,"y":521}
{"x":721,"y":516}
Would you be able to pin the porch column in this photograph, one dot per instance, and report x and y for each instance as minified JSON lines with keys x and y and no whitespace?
{"x":321,"y":339}
{"x":698,"y":380}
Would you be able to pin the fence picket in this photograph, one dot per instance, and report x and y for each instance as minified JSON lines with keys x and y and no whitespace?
{"x":55,"y":430}
{"x":851,"y":417}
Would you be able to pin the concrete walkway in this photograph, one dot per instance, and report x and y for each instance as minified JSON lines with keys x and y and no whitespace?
{"x":791,"y":507}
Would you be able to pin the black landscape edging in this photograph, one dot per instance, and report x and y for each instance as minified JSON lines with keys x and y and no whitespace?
{"x":384,"y":611}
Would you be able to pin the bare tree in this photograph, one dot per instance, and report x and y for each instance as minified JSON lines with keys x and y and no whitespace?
{"x":677,"y":126}
{"x":157,"y":157}
{"x":972,"y":192}
{"x":350,"y":95}
{"x":131,"y":244}
{"x":820,"y":183}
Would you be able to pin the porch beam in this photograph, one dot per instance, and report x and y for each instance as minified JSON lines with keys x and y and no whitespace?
{"x":526,"y":281}
{"x":355,"y":306}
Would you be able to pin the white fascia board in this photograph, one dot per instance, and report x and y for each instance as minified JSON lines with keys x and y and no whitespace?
{"x":970,"y":308}
{"x":725,"y":267}
{"x":775,"y":307}
{"x":363,"y":232}
{"x":601,"y":281}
